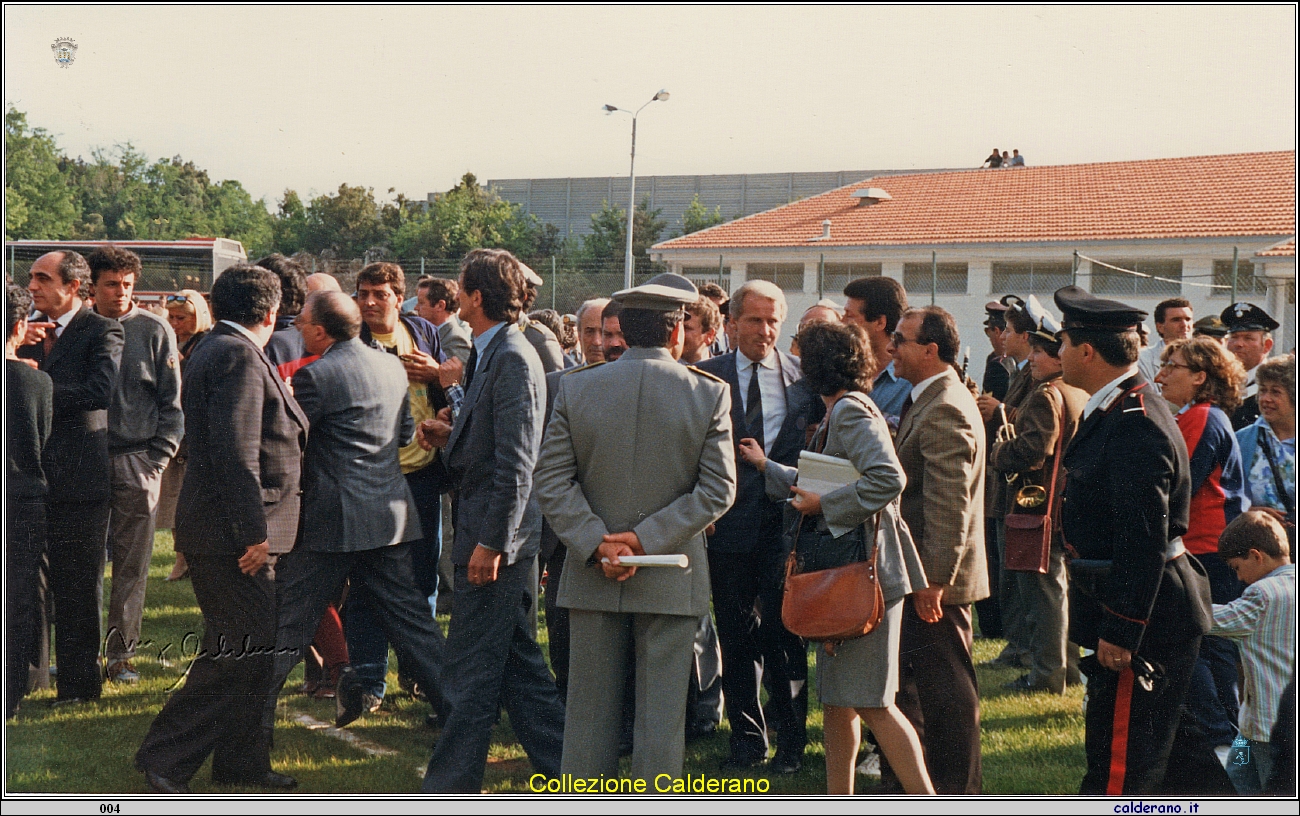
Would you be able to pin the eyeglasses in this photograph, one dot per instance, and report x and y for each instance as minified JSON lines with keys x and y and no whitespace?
{"x":178,"y":298}
{"x":901,"y":340}
{"x":1168,"y":364}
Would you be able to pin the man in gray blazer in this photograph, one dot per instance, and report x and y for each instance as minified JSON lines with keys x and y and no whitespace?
{"x":358,"y":517}
{"x":438,"y":301}
{"x":493,"y":659}
{"x":638,"y":460}
{"x":940,"y":443}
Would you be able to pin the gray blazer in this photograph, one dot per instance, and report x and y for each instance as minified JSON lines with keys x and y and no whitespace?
{"x":455,"y":339}
{"x":641,"y":444}
{"x":493,"y":448}
{"x":858,"y":432}
{"x":354,"y":495}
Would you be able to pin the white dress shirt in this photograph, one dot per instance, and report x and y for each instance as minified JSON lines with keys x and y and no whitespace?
{"x":771,"y":385}
{"x":1105,"y":396}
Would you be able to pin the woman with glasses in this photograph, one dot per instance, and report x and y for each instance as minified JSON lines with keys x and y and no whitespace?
{"x":1203,"y":381}
{"x":190,"y":318}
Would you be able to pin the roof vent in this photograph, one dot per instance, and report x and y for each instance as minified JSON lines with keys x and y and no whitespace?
{"x":826,"y":232}
{"x":870,"y":195}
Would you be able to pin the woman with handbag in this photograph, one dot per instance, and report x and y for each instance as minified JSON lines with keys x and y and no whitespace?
{"x":859,"y":676}
{"x":1027,"y":455}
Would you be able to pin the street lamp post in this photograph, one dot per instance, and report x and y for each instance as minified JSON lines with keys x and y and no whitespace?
{"x":662,"y":96}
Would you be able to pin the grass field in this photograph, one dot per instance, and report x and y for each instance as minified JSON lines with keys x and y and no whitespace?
{"x":1032,"y":744}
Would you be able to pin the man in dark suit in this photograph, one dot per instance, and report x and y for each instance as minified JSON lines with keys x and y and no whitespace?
{"x":493,"y":659}
{"x":1136,"y":597}
{"x":237,"y":513}
{"x":940,"y":445}
{"x":769,"y":403}
{"x":80,"y":350}
{"x":358,"y":516}
{"x":29,"y":413}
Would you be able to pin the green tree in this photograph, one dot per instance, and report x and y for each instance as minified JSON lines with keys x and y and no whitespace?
{"x":466,"y":217}
{"x":697,"y":217}
{"x":346,"y":223}
{"x":39,"y":200}
{"x":289,"y":226}
{"x":607,"y":242}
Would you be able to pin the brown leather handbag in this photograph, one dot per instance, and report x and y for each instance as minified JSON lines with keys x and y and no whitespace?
{"x":836,"y":603}
{"x":1029,"y":535}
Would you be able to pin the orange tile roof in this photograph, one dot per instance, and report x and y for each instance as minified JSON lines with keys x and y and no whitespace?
{"x":1196,"y":197}
{"x":1282,"y":249}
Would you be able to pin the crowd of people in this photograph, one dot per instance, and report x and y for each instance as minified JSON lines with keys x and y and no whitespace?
{"x":332,"y":463}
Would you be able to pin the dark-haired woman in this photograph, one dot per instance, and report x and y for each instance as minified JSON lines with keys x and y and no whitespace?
{"x":861,"y":679}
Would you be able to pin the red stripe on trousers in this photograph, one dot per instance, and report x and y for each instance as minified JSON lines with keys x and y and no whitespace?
{"x":1119,"y":733}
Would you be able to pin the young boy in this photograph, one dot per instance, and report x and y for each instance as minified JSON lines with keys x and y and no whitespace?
{"x":1263,"y":620}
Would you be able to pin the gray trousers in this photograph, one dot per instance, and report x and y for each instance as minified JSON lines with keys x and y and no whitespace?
{"x":1045,"y":609}
{"x":601,"y":643}
{"x":137,"y":482}
{"x":493,"y":662}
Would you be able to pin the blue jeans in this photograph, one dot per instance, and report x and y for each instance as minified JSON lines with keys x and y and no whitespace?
{"x":367,"y":644}
{"x":1212,"y":698}
{"x":1249,"y":766}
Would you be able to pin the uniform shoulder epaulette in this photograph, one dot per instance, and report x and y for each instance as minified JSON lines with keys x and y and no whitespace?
{"x":704,"y":373}
{"x":1134,"y":404}
{"x":576,"y":369}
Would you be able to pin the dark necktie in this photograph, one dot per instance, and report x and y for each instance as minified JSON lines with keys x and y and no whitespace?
{"x":473,"y":364}
{"x":754,"y":408}
{"x":907,"y":406}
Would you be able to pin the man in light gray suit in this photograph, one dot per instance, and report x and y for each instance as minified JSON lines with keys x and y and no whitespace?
{"x":638,"y":460}
{"x":493,"y":659}
{"x":358,"y":517}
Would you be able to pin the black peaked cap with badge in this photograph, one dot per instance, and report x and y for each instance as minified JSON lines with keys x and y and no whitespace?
{"x":662,"y":293}
{"x":1244,"y":316}
{"x":1083,"y":310}
{"x":995,"y":314}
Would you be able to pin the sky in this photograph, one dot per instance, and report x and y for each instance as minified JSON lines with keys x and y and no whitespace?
{"x":411,"y":98}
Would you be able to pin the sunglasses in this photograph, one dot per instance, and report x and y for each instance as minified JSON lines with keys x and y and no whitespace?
{"x":178,"y":298}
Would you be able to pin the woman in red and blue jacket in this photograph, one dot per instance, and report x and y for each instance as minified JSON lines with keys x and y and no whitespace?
{"x":1204,"y":379}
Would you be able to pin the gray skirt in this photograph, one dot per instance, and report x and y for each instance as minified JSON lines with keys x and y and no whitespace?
{"x":864,"y":671}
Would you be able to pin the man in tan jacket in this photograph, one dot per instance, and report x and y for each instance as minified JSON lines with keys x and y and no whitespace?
{"x":940,"y":443}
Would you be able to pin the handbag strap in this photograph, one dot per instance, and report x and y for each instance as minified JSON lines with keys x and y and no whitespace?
{"x":1056,"y":455}
{"x":1282,"y":495}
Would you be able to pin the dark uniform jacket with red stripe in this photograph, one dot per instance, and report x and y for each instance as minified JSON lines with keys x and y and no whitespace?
{"x":1127,"y":491}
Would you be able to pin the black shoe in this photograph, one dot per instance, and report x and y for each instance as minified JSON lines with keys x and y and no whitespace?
{"x":741,"y":762}
{"x":786,"y":762}
{"x":1021,"y":684}
{"x":269,"y":780}
{"x":347,"y":700}
{"x":700,"y":729}
{"x":161,"y":784}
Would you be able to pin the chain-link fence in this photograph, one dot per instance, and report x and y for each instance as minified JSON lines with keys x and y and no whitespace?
{"x":566,"y":283}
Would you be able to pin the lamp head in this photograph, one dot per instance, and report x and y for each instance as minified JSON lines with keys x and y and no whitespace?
{"x":662,"y":96}
{"x":610,"y":109}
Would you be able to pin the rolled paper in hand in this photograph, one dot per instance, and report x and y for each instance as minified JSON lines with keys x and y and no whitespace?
{"x":651,"y":561}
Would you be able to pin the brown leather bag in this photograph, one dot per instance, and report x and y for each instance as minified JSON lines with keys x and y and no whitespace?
{"x":1029,"y":535}
{"x":833,"y":605}
{"x":836,"y":604}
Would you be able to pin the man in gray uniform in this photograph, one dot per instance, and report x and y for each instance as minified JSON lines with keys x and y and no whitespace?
{"x":637,"y":460}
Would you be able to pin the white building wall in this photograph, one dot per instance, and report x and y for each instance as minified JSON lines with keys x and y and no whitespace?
{"x":1198,"y":258}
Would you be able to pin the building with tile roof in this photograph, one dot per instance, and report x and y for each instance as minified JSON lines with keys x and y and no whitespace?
{"x":962,"y":238}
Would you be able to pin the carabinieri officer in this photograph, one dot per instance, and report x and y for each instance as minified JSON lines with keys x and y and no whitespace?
{"x":1136,"y":596}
